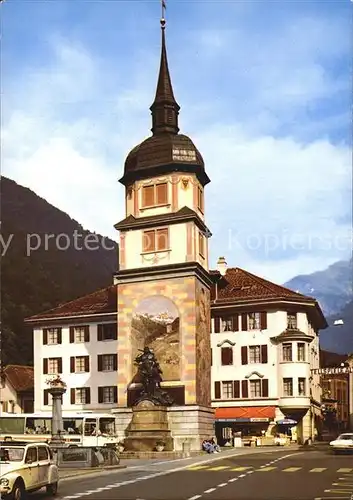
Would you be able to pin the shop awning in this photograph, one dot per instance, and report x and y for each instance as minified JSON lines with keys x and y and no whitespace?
{"x":245,"y":414}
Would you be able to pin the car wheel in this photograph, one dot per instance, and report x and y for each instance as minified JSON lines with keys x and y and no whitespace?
{"x":52,"y":489}
{"x":18,"y":491}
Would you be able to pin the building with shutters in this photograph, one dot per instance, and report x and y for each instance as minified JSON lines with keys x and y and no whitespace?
{"x":78,"y":341}
{"x":264,"y":344}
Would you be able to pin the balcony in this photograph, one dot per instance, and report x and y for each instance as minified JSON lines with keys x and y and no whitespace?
{"x":294,"y":402}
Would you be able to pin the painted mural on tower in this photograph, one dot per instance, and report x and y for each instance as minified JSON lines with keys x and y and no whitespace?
{"x":156,"y":324}
{"x":203,"y":346}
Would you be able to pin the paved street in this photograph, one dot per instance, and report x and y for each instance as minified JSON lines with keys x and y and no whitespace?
{"x":275,"y":475}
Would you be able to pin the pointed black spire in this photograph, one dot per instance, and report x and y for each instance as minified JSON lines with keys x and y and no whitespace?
{"x":164,"y":109}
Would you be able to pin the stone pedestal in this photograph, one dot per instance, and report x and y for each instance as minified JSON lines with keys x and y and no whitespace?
{"x":56,"y":392}
{"x":149,"y":425}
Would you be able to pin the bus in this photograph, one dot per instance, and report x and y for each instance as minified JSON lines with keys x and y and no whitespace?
{"x":79,"y":428}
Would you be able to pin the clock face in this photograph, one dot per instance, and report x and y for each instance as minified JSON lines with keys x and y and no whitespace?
{"x":187,"y":155}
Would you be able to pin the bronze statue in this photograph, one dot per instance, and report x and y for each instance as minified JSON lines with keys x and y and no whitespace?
{"x":151,"y":377}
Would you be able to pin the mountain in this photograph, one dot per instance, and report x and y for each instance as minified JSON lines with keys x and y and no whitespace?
{"x":47,"y":259}
{"x":331,"y":287}
{"x":339,"y":338}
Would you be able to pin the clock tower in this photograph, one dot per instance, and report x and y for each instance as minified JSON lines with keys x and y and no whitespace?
{"x":163,"y":279}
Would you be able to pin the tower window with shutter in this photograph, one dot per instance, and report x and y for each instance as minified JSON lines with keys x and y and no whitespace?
{"x":156,"y":240}
{"x":155,"y":195}
{"x":200,"y":204}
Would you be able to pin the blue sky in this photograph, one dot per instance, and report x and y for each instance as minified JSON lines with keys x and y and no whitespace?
{"x":264,"y":89}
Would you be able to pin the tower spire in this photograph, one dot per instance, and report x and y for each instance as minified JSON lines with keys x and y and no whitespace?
{"x":164,"y":109}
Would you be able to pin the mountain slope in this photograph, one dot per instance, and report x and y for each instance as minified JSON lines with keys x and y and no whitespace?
{"x":331,"y":287}
{"x":339,"y":338}
{"x":59,"y":268}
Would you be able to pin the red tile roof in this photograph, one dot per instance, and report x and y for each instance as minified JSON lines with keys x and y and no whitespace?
{"x":100,"y":302}
{"x":20,"y":377}
{"x":238,"y":284}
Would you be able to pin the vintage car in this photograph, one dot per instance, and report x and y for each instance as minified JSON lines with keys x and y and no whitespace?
{"x":344,"y":442}
{"x":25,"y":468}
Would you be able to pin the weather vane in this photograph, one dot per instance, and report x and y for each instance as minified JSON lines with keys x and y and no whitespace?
{"x":164,"y":7}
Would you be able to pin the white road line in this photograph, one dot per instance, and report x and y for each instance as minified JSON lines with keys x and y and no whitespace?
{"x":233,"y":479}
{"x":221,"y":485}
{"x":242,"y":475}
{"x":195,"y":497}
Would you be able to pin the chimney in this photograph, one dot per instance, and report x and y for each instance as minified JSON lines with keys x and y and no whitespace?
{"x":222,"y":266}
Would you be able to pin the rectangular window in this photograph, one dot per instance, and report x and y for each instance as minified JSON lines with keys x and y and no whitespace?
{"x":287,"y":387}
{"x":254,"y":354}
{"x":301,"y":351}
{"x":81,"y":395}
{"x":227,"y":390}
{"x":200,"y":204}
{"x":52,"y":336}
{"x":53,"y":365}
{"x":80,"y":364}
{"x":227,"y":356}
{"x":108,"y":394}
{"x":291,"y":321}
{"x":287,"y":352}
{"x":156,"y":240}
{"x":301,"y":387}
{"x":254,"y":321}
{"x":107,"y":331}
{"x":201,"y":244}
{"x":108,"y":362}
{"x":79,"y":334}
{"x":255,"y":389}
{"x":155,"y":195}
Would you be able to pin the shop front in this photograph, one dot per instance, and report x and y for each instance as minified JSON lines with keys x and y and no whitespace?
{"x":249,"y":422}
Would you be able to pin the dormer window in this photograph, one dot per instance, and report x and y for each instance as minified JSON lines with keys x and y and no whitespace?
{"x":291,"y":321}
{"x":155,"y":195}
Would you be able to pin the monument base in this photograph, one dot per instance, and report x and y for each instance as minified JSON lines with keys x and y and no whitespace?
{"x":188,"y":425}
{"x":148,"y":428}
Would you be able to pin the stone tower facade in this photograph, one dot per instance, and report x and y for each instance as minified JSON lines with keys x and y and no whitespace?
{"x":163,"y":279}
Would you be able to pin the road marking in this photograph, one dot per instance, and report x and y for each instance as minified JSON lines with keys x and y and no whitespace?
{"x":266,"y":469}
{"x":219,"y":467}
{"x":195,"y":497}
{"x":221,"y":485}
{"x":210,"y":490}
{"x":338,"y":491}
{"x":318,"y":469}
{"x":340,"y":484}
{"x":198,"y":467}
{"x":292,"y":469}
{"x":344,"y":469}
{"x":233,"y":479}
{"x":240,"y":469}
{"x":332,"y":498}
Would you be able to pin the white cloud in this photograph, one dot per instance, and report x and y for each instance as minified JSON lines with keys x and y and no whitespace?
{"x":68,"y":129}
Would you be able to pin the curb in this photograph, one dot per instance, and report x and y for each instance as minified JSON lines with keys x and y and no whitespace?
{"x":95,"y":470}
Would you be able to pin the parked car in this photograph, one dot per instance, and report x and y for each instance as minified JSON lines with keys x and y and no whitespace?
{"x":25,"y":468}
{"x":344,"y":442}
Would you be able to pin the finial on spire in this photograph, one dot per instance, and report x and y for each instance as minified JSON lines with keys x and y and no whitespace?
{"x":164,"y":8}
{"x":164,"y":109}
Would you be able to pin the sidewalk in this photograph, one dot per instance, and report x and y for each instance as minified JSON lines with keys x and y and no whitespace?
{"x":195,"y":460}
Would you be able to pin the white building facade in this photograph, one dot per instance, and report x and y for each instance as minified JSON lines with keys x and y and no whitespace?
{"x":82,"y":349}
{"x":264,"y":345}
